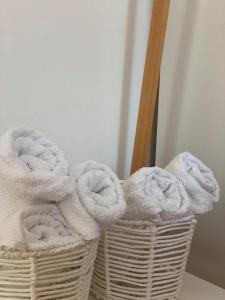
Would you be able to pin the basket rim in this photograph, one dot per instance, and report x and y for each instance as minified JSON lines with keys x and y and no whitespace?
{"x":15,"y":253}
{"x":157,"y":221}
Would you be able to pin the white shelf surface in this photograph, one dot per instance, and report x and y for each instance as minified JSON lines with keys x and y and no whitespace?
{"x":195,"y":288}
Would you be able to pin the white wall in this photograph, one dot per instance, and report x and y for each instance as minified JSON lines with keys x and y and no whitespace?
{"x":72,"y":69}
{"x":192,"y":114}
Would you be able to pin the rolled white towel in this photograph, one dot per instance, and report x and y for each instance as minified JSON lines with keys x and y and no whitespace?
{"x":98,"y":200}
{"x":99,"y":191}
{"x":31,"y":167}
{"x":37,"y":227}
{"x":78,"y":218}
{"x":198,"y":180}
{"x":152,"y":193}
{"x":44,"y":227}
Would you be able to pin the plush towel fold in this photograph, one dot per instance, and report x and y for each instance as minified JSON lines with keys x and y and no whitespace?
{"x":44,"y":227}
{"x":31,"y":167}
{"x":99,"y":191}
{"x":97,"y":201}
{"x":198,"y":181}
{"x":155,"y":193}
{"x":37,"y":227}
{"x":78,"y":218}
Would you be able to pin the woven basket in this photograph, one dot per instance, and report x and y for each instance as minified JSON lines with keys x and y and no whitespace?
{"x":140,"y":260}
{"x":57,"y":274}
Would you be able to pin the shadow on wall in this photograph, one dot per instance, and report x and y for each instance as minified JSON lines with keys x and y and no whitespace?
{"x":180,"y":75}
{"x":184,"y":123}
{"x":180,"y":72}
{"x":125,"y":101}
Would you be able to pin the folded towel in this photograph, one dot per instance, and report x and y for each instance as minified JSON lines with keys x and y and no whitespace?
{"x":78,"y":218}
{"x":37,"y":227}
{"x":97,"y":201}
{"x":44,"y":227}
{"x":11,"y":234}
{"x":99,"y":191}
{"x":154,"y":193}
{"x":198,"y":181}
{"x":31,"y":167}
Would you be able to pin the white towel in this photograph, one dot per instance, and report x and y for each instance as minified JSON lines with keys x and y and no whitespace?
{"x":198,"y":180}
{"x":37,"y":227}
{"x":98,"y":199}
{"x":44,"y":227}
{"x":153,"y":193}
{"x":78,"y":218}
{"x":31,"y":168}
{"x":99,"y":191}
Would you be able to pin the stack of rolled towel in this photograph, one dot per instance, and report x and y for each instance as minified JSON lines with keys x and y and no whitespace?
{"x":185,"y":187}
{"x":43,"y":202}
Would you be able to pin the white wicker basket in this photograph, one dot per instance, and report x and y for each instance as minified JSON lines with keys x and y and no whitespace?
{"x":140,"y":260}
{"x":58,"y":274}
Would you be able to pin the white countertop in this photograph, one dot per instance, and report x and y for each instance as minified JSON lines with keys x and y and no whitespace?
{"x":195,"y":288}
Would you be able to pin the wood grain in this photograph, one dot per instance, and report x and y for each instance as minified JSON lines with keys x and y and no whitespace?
{"x":150,"y":83}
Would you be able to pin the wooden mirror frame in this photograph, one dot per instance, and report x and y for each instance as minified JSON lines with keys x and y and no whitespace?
{"x":148,"y":102}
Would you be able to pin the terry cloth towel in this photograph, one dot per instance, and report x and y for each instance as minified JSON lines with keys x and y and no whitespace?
{"x":31,"y":167}
{"x":78,"y":218}
{"x":44,"y":227}
{"x":153,"y":193}
{"x":98,"y":199}
{"x":99,"y":191}
{"x":198,"y":180}
{"x":37,"y":227}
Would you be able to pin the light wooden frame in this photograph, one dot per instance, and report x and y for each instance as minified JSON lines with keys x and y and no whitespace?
{"x":145,"y":122}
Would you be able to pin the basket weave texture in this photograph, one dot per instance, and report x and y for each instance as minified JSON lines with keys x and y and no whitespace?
{"x":140,"y":260}
{"x":63,"y":273}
